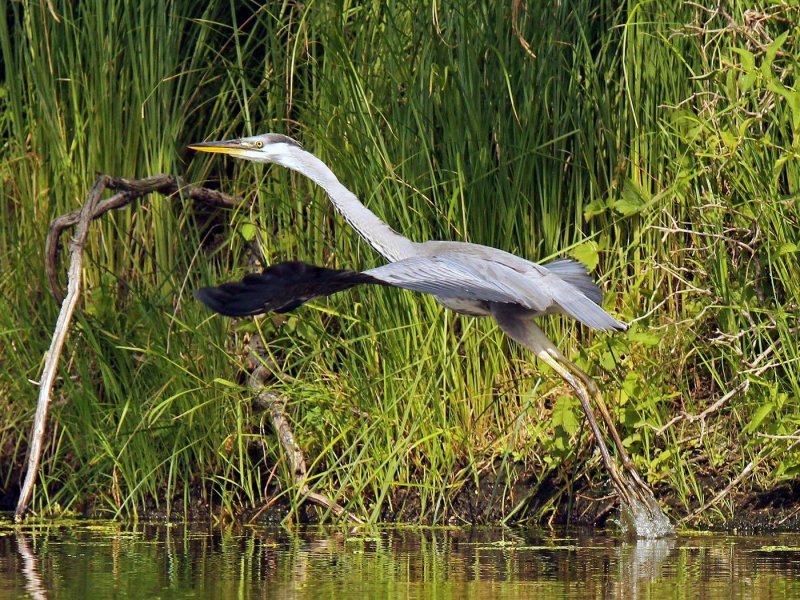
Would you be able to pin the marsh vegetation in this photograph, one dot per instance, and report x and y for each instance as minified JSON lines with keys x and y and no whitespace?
{"x":656,"y":142}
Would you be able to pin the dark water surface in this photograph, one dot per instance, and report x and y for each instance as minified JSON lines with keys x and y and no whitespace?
{"x":108,"y":560}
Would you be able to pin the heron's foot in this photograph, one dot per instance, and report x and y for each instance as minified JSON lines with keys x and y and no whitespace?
{"x":643,"y":518}
{"x":641,"y":515}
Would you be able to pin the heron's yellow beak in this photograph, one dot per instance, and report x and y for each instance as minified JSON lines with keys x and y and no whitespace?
{"x":231,"y":147}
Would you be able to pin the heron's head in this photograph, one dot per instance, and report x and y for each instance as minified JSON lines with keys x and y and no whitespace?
{"x":267,"y":148}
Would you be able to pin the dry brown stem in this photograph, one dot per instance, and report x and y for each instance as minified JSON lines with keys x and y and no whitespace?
{"x":83,"y":218}
{"x":275,"y":404}
{"x":127,"y":190}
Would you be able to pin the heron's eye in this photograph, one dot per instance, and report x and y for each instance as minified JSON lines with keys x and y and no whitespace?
{"x":259,"y":144}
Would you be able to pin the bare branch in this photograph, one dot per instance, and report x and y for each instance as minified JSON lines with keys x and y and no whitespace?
{"x":128,"y":191}
{"x":740,"y":477}
{"x":745,"y":472}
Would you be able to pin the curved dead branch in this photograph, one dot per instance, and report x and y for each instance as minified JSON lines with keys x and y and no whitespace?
{"x":127,"y":190}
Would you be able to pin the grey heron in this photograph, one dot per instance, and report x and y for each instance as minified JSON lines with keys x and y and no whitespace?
{"x":468,"y":278}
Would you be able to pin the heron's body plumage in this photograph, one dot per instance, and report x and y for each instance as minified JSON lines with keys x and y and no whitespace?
{"x":465,"y":277}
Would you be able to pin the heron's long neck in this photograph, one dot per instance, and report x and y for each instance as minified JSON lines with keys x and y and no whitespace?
{"x":380,"y":236}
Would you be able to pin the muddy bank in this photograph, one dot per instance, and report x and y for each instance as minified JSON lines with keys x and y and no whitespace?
{"x":527,"y":499}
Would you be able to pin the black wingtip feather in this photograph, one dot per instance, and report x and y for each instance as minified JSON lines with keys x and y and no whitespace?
{"x":280,"y":288}
{"x":231,"y":300}
{"x":620,"y":326}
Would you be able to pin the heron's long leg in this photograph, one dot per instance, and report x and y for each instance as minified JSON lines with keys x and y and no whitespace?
{"x":519,"y":327}
{"x":581,"y":390}
{"x":594,"y":392}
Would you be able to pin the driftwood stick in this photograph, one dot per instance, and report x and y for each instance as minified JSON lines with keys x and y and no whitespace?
{"x":56,"y":345}
{"x":275,"y":404}
{"x":735,"y":481}
{"x":128,"y":191}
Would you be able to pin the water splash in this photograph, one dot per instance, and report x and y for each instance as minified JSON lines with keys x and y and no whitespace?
{"x":644,"y":519}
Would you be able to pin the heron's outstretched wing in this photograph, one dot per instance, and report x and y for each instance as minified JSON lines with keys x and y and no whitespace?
{"x":564,"y":287}
{"x":561,"y":286}
{"x":576,"y":273}
{"x":444,"y":277}
{"x":285,"y":286}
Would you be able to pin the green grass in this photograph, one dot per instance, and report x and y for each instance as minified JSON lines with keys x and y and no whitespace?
{"x":663,"y":156}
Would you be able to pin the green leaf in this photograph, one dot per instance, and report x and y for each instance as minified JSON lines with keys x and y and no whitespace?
{"x":587,"y":253}
{"x":632,"y":200}
{"x":784,"y":471}
{"x":769,"y":56}
{"x":777,"y":168}
{"x":227,"y":383}
{"x":762,"y":413}
{"x":594,"y":208}
{"x":787,"y":248}
{"x":646,"y":338}
{"x":747,"y":80}
{"x":744,"y":126}
{"x":666,"y":455}
{"x":248,"y":231}
{"x":564,"y":415}
{"x":776,"y":87}
{"x":748,"y":59}
{"x":608,"y":361}
{"x":729,"y":139}
{"x":630,"y":416}
{"x":631,"y":386}
{"x":792,"y":98}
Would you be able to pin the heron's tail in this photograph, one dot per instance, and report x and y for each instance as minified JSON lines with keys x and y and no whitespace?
{"x":588,"y":307}
{"x":280,"y":288}
{"x":576,"y":273}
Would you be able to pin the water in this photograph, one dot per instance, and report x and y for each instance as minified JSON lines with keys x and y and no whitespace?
{"x":102,"y":560}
